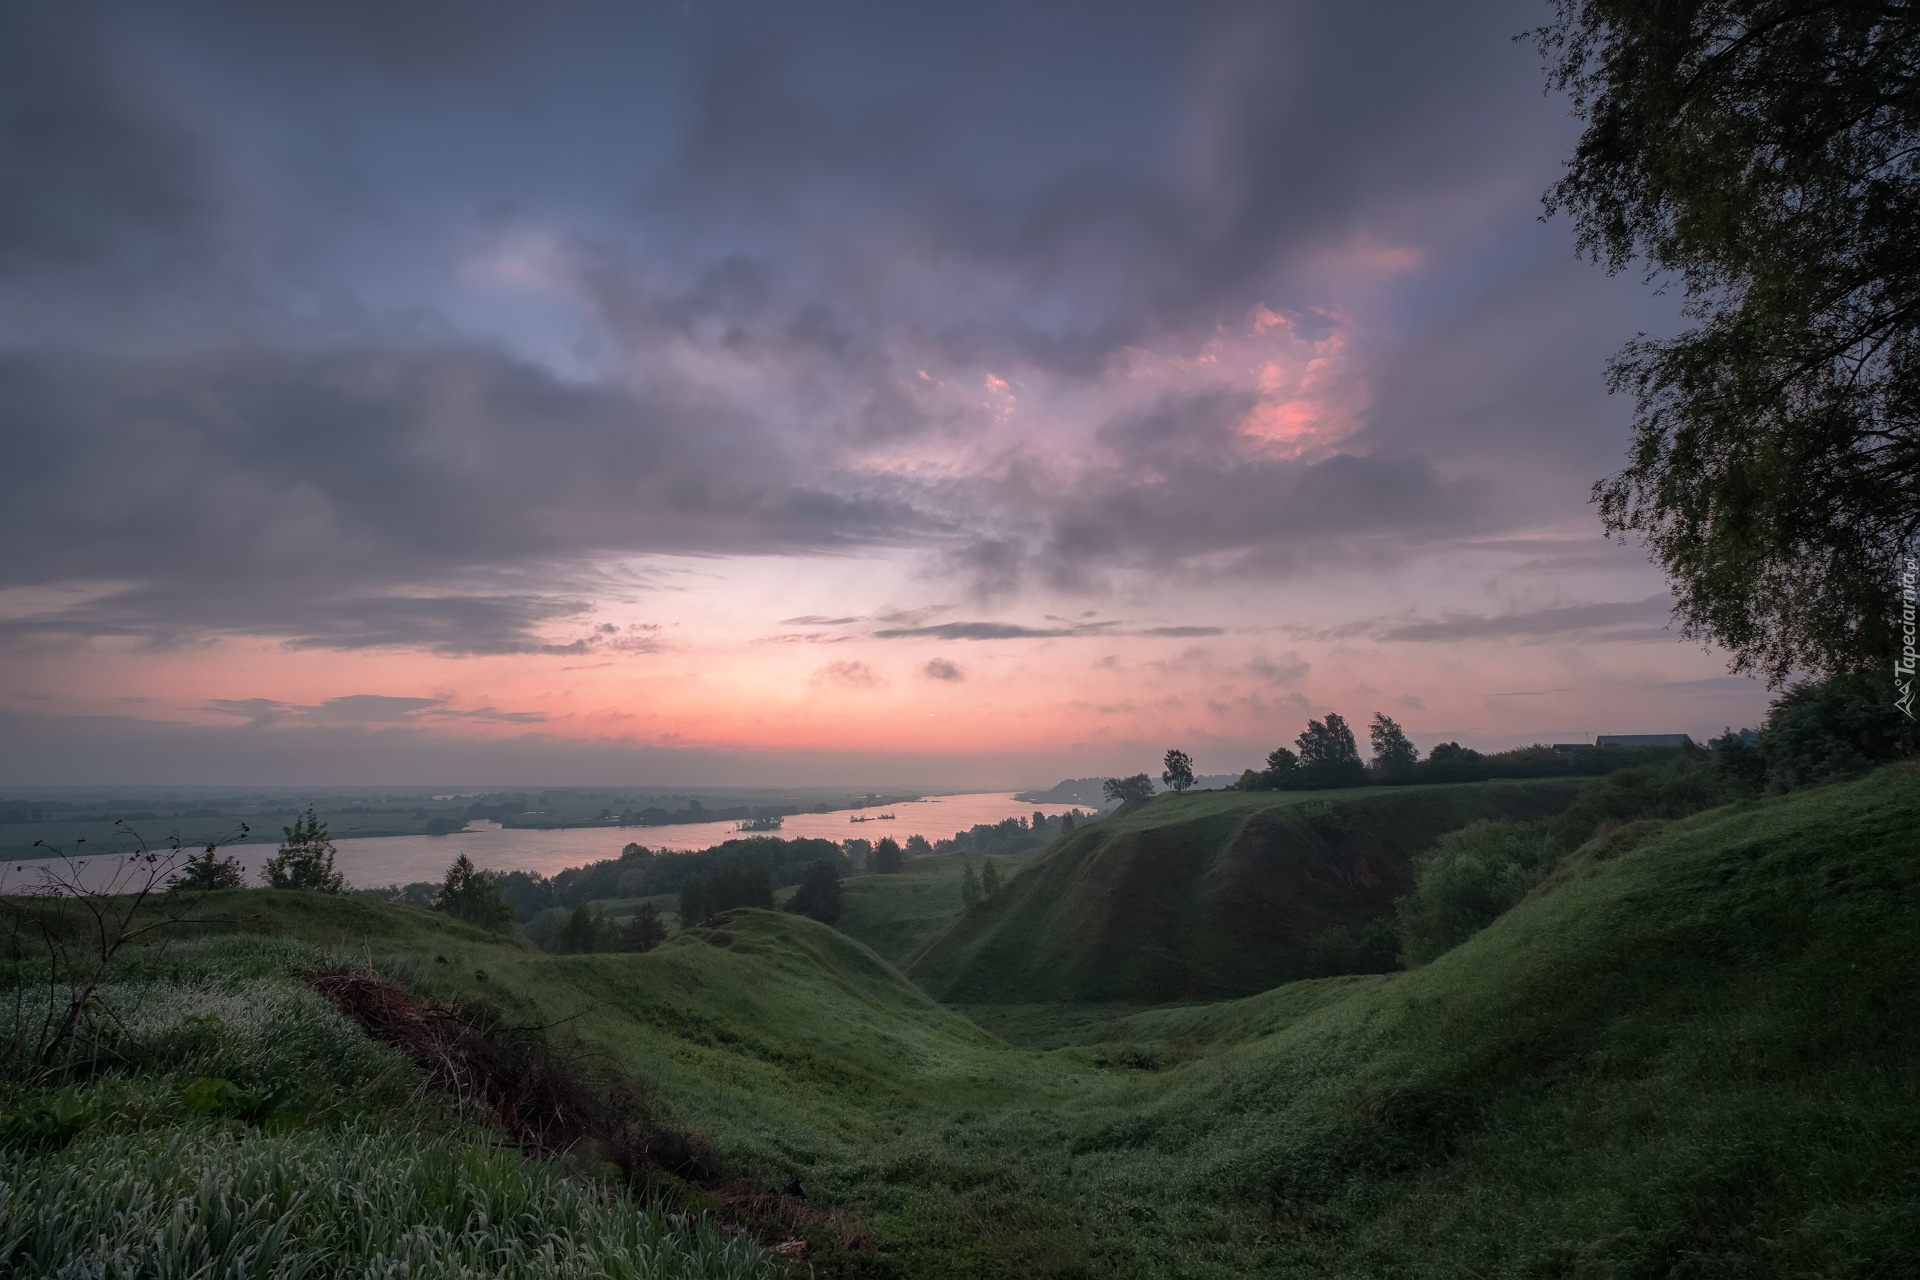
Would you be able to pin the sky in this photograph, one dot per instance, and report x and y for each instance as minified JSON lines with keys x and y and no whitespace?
{"x":803,"y":393}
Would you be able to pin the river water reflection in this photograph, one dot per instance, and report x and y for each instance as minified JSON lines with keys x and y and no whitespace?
{"x":382,"y":860}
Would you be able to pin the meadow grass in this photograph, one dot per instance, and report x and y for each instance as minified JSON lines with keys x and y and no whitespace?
{"x":225,"y":1200}
{"x":234,"y":1123}
{"x":1686,"y":1053}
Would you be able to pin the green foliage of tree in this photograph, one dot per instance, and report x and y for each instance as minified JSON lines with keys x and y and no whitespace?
{"x":1137,"y":789}
{"x":644,"y":931}
{"x":724,"y":890}
{"x":918,"y":846}
{"x":1451,"y":762}
{"x":1824,"y":731}
{"x":1394,"y":756}
{"x":819,"y":894}
{"x":970,"y":891}
{"x":1467,"y":880}
{"x":989,"y":879}
{"x":586,"y":931}
{"x":886,"y":857}
{"x":639,"y":873}
{"x":1763,"y":154}
{"x":304,"y":859}
{"x":469,"y":894}
{"x":207,"y":871}
{"x":1329,"y":756}
{"x":1178,"y":774}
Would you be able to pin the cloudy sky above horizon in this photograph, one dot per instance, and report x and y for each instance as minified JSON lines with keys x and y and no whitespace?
{"x":806,"y":392}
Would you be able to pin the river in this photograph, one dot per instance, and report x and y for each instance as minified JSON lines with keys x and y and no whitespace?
{"x":381,"y":860}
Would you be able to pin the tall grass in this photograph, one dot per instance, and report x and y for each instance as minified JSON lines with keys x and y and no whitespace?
{"x":356,"y":1201}
{"x":137,"y":1161}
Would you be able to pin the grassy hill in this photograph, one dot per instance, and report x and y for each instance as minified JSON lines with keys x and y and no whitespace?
{"x":1210,"y":895}
{"x":898,"y":914}
{"x":1688,"y":1053}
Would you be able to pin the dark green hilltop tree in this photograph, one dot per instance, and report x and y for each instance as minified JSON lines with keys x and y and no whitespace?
{"x":207,"y":871}
{"x":969,"y":888}
{"x":1281,"y":774}
{"x":1137,"y":789}
{"x":304,"y":859}
{"x":644,"y":931}
{"x":470,"y":894}
{"x":818,"y":896}
{"x":724,"y":890}
{"x":1329,"y":757}
{"x":989,"y":879}
{"x":887,"y":857}
{"x":1394,"y":756}
{"x":1765,"y":156}
{"x":1178,"y":774}
{"x":586,"y":931}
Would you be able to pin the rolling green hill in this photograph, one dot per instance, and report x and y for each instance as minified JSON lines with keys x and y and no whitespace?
{"x":1206,"y":896}
{"x":1689,"y":1053}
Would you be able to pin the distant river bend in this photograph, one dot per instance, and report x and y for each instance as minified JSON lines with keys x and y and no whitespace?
{"x":381,"y":860}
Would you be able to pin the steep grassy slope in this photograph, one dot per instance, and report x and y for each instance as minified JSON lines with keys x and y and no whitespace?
{"x":1205,"y":896}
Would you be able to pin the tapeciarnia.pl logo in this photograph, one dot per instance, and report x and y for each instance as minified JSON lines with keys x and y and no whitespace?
{"x":1903,"y":665}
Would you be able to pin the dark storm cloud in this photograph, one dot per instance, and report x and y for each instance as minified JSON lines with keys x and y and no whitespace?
{"x":312,"y":493}
{"x":1286,"y":132}
{"x":1625,"y":619}
{"x":1585,"y":623}
{"x":95,"y":173}
{"x":942,"y":669}
{"x":1046,"y":184}
{"x":1240,"y":518}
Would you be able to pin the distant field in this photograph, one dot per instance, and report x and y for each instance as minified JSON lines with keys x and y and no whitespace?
{"x":95,"y":838}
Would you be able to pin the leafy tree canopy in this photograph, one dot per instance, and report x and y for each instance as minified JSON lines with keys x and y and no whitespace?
{"x":886,"y":856}
{"x":304,"y":859}
{"x":645,"y":931}
{"x":989,"y":879}
{"x":1393,"y":754}
{"x":819,"y":893}
{"x":470,"y":894}
{"x":1179,"y":770}
{"x":206,"y":871}
{"x":1764,"y":154}
{"x":1139,"y":788}
{"x":1329,"y":757}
